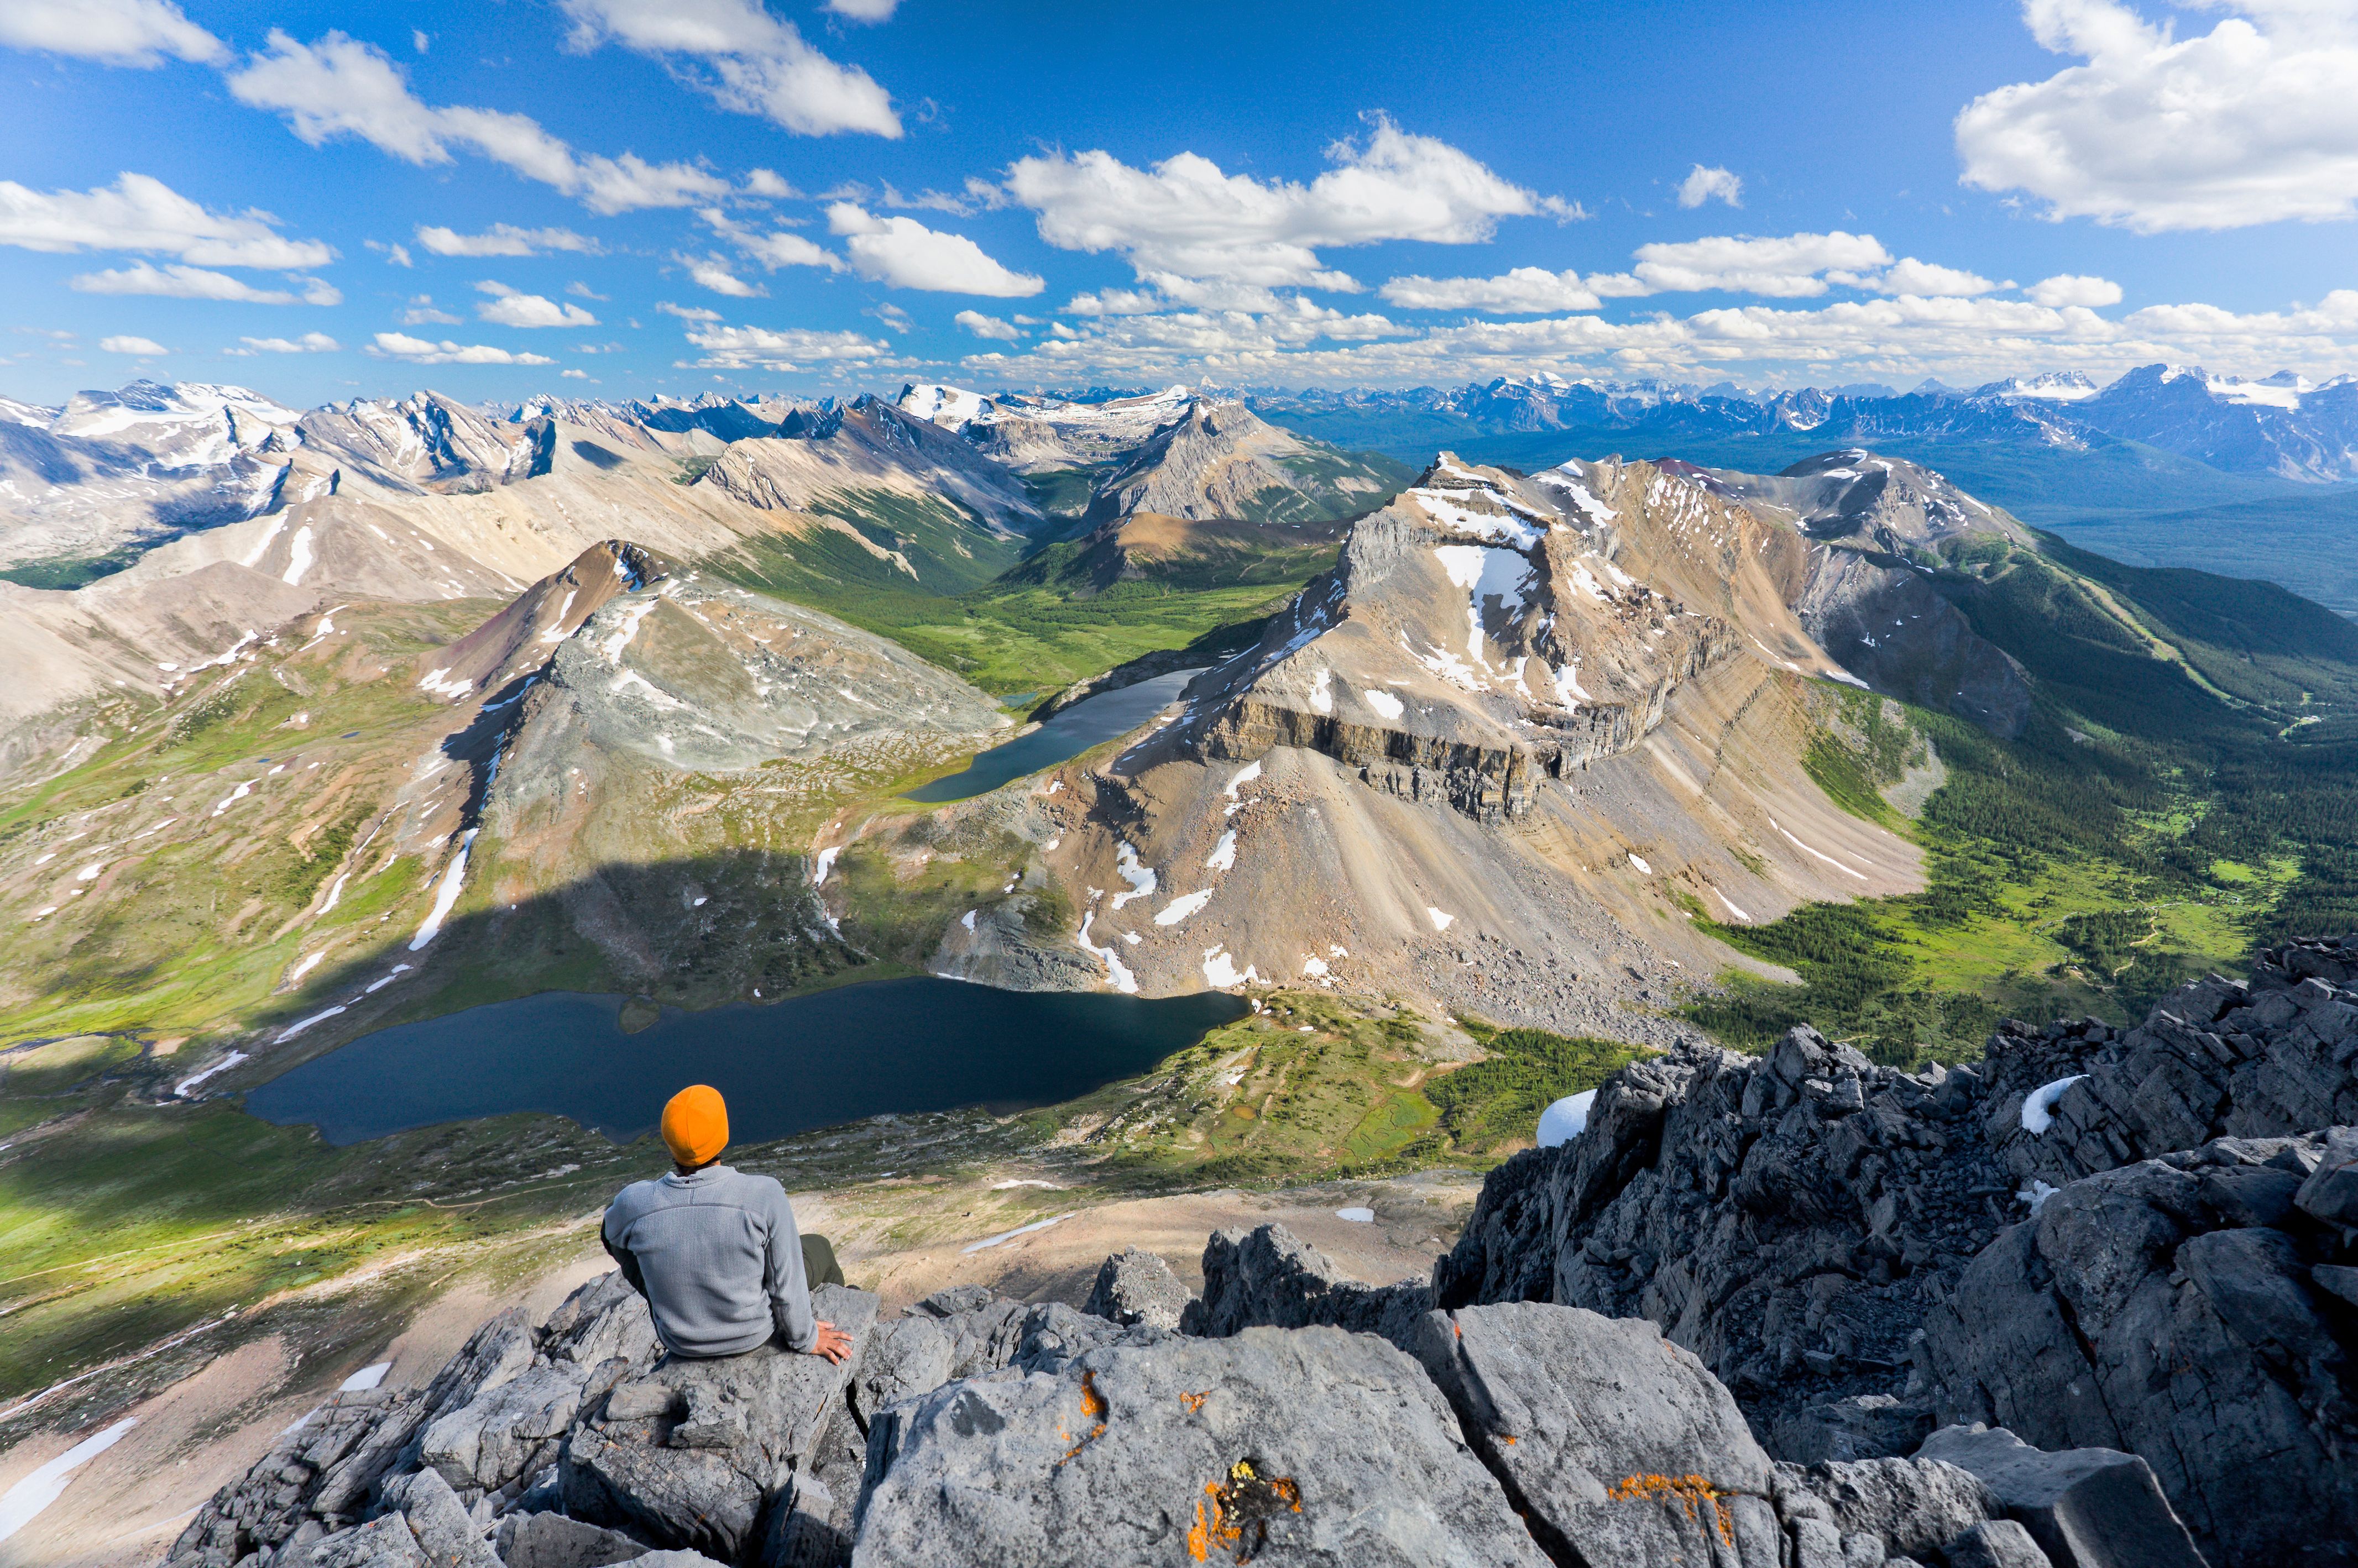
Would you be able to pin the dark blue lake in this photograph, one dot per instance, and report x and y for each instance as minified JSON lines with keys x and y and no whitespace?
{"x":785,"y":1068}
{"x":1069,"y":733}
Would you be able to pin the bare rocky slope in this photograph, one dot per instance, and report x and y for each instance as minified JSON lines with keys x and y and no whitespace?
{"x":1759,"y":1313}
{"x":1875,"y":524}
{"x":1484,"y":758}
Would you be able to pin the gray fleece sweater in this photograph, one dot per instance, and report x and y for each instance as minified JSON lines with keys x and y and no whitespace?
{"x":717,"y":1255}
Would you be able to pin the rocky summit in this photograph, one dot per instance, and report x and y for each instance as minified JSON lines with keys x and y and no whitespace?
{"x":2089,"y":1304}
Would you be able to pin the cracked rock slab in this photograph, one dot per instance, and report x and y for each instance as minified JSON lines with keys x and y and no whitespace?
{"x":1619,"y":1446}
{"x":1309,"y":1446}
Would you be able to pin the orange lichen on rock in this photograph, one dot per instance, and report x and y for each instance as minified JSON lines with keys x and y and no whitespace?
{"x":1694,"y":1492}
{"x":1193,"y":1402}
{"x":1092,"y":1403}
{"x":1242,"y":1507}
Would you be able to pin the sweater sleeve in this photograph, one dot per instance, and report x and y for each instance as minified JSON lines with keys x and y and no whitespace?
{"x":620,"y":1255}
{"x":790,"y":1300}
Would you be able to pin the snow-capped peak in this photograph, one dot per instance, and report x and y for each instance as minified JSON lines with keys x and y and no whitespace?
{"x":946,"y":406}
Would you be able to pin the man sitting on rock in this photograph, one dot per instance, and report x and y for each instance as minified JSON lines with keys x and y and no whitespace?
{"x":714,"y":1250}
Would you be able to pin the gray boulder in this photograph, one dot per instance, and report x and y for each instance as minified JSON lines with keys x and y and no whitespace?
{"x":1271,"y":1278}
{"x":693,"y":1454}
{"x":984,"y":1329}
{"x":385,"y":1542}
{"x":2330,"y":1193}
{"x":1996,"y":1543}
{"x":447,"y":1533}
{"x":2086,"y":1507}
{"x":506,"y":1432}
{"x":1314,"y":1446}
{"x":1906,"y":1507}
{"x":810,"y":1526}
{"x":2141,"y":1311}
{"x":1614,"y":1444}
{"x":2264,"y":1058}
{"x":1790,"y":1219}
{"x":547,"y":1540}
{"x":1136,"y":1286}
{"x":1861,"y":1426}
{"x":905,"y":1358}
{"x":600,"y":1321}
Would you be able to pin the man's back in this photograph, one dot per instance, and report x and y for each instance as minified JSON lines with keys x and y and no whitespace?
{"x":715,"y":1253}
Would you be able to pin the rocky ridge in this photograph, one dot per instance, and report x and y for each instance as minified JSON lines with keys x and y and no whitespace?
{"x":1874,"y":525}
{"x":1567,"y":656}
{"x":2133,"y":1239}
{"x":1759,"y":1314}
{"x":977,"y":1430}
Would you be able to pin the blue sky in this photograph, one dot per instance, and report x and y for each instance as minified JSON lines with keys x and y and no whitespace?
{"x":640,"y":195}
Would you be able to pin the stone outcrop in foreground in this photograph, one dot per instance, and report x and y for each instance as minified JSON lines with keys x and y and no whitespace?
{"x":2137,"y":1241}
{"x":1794,"y":1311}
{"x":976,"y":1430}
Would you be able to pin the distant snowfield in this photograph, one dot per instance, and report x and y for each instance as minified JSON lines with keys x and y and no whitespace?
{"x":1006,"y":1236}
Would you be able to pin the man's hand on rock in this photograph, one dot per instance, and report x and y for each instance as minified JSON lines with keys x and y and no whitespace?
{"x":831,"y":1342}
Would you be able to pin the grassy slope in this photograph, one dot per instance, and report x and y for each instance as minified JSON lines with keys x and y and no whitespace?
{"x":1318,"y":1086}
{"x":1043,"y":624}
{"x":2166,"y":810}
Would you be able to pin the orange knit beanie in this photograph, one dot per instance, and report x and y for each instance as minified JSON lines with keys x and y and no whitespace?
{"x":695,"y":1125}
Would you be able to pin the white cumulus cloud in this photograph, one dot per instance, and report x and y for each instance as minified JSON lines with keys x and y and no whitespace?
{"x":2254,"y":120}
{"x":343,"y":87}
{"x":309,"y":343}
{"x":1702,"y":185}
{"x":745,"y":59}
{"x":1523,"y":291}
{"x":775,"y":249}
{"x":687,"y":312}
{"x":1186,"y":219}
{"x":512,"y":307}
{"x":140,"y":212}
{"x":1791,"y":267}
{"x":904,"y":254}
{"x":505,"y":239}
{"x":419,"y":351}
{"x":712,"y":273}
{"x":178,"y":281}
{"x":761,"y":348}
{"x":982,"y":326}
{"x":119,"y":32}
{"x":2074,"y":288}
{"x":865,"y":10}
{"x":144,"y":347}
{"x":1908,"y":275}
